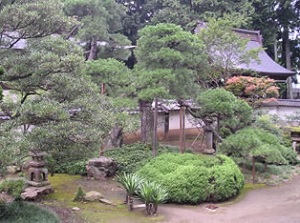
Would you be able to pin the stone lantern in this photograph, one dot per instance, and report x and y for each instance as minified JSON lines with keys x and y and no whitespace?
{"x":37,"y":178}
{"x":37,"y":174}
{"x":209,"y":136}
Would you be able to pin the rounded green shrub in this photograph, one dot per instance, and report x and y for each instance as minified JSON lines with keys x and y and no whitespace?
{"x":191,"y":179}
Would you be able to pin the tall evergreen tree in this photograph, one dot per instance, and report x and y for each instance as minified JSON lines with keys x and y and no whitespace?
{"x":168,"y":59}
{"x":100,"y":28}
{"x":52,"y":104}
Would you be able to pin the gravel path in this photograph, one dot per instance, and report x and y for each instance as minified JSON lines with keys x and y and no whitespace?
{"x":280,"y":204}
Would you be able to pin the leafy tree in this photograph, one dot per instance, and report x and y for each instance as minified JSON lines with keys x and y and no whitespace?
{"x":279,"y":22}
{"x":257,"y":145}
{"x":55,"y":106}
{"x":21,"y":20}
{"x":138,"y":14}
{"x":253,"y":89}
{"x":187,"y":13}
{"x":100,"y":28}
{"x":58,"y":108}
{"x":115,"y":76}
{"x":226,"y":51}
{"x":168,"y":59}
{"x":221,"y":107}
{"x":116,"y":81}
{"x":183,"y":13}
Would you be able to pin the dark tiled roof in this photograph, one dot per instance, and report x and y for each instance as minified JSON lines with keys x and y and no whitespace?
{"x":266,"y":65}
{"x":172,"y":105}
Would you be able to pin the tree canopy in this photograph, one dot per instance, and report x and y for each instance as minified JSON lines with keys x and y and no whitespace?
{"x":52,"y":104}
{"x":222,"y":107}
{"x":168,"y":60}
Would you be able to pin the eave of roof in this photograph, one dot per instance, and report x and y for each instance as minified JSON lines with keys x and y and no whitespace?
{"x":265,"y":65}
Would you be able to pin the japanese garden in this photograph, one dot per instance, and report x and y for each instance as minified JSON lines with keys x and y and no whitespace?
{"x":148,"y":111}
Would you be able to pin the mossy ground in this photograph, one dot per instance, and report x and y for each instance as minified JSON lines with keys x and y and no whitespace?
{"x":65,"y":188}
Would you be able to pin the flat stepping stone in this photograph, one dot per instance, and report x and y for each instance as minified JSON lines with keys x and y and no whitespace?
{"x":139,"y":206}
{"x":35,"y":193}
{"x":76,"y":209}
{"x":93,"y":196}
{"x":105,"y":201}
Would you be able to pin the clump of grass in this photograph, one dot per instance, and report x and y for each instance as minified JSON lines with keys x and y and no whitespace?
{"x":13,"y":187}
{"x":79,"y":195}
{"x":20,"y":212}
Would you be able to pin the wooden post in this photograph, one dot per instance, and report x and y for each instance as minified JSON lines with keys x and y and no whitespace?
{"x":154,"y":139}
{"x":102,"y":88}
{"x":181,"y":127}
{"x":253,"y":169}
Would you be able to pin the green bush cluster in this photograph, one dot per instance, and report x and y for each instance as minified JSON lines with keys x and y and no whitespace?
{"x":20,"y":212}
{"x":259,"y":143}
{"x":13,"y":187}
{"x":191,"y":179}
{"x":72,"y":167}
{"x":132,"y":157}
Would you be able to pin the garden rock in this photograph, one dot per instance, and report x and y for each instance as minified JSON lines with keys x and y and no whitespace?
{"x":76,"y":209}
{"x":35,"y":193}
{"x":13,"y":169}
{"x":93,"y":196}
{"x":105,"y":201}
{"x":101,"y":168}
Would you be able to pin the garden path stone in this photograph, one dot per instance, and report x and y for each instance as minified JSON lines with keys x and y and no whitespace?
{"x":76,"y":209}
{"x":35,"y":193}
{"x":93,"y":196}
{"x":105,"y":201}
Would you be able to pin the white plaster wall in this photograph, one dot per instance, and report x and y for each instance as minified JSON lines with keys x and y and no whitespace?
{"x":174,"y":120}
{"x":282,"y":112}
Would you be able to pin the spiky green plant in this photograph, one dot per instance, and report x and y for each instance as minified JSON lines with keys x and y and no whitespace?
{"x":79,"y":195}
{"x":152,"y":194}
{"x":131,"y":183}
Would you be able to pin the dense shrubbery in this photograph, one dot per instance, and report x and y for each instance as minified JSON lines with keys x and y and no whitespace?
{"x":20,"y":212}
{"x":258,"y":143}
{"x":72,"y":167}
{"x":192,"y":178}
{"x":13,"y":187}
{"x":132,"y":157}
{"x":129,"y":158}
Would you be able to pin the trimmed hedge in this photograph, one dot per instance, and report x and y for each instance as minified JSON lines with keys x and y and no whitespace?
{"x":191,"y":179}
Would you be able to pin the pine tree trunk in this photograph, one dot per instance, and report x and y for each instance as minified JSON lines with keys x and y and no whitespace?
{"x":146,"y":121}
{"x":154,"y":140}
{"x":93,"y":50}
